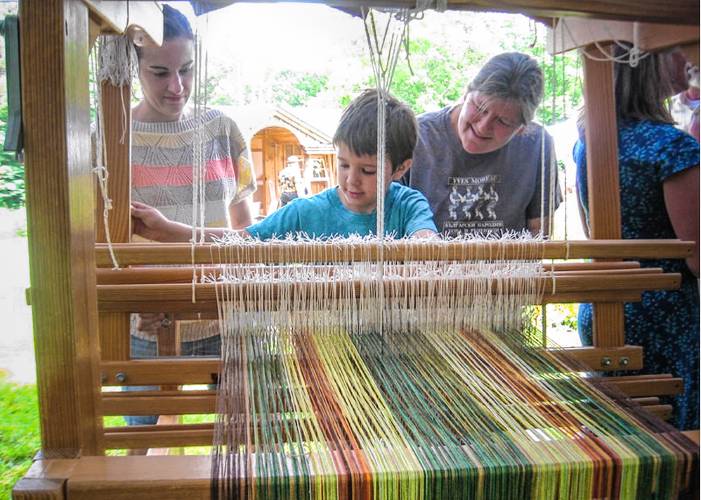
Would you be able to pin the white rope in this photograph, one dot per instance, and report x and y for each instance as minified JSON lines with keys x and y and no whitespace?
{"x":631,"y":56}
{"x":118,"y":64}
{"x":384,"y":48}
{"x":542,"y":150}
{"x":117,"y":60}
{"x":198,"y":161}
{"x":564,"y":113}
{"x":115,"y":63}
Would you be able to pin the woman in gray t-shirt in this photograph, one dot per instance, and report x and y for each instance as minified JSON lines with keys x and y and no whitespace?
{"x":482,"y":164}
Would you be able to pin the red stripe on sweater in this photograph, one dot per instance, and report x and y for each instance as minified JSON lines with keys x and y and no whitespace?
{"x":180,"y":175}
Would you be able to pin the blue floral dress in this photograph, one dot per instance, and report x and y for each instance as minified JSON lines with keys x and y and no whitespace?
{"x":664,"y":323}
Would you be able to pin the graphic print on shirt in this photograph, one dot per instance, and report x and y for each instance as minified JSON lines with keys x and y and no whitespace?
{"x":472,"y":204}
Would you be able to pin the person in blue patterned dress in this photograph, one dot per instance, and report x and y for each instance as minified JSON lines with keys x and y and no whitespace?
{"x":659,"y":183}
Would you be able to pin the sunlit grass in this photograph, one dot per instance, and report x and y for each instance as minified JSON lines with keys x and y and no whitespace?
{"x":19,"y":432}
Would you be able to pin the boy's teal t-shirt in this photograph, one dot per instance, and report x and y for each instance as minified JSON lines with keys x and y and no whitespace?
{"x":324,"y":215}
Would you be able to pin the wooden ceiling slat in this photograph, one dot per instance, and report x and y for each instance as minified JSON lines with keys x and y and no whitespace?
{"x":670,"y":11}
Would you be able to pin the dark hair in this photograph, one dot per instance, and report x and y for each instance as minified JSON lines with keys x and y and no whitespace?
{"x":358,"y":127}
{"x":641,"y":91}
{"x":175,"y":25}
{"x":511,"y":76}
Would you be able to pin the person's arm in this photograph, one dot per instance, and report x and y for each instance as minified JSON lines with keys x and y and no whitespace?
{"x":547,"y":191}
{"x":535,"y":224}
{"x":681,"y":196}
{"x":583,"y":218}
{"x":151,"y":224}
{"x":239,"y":206}
{"x":240,"y":213}
{"x":419,"y":217}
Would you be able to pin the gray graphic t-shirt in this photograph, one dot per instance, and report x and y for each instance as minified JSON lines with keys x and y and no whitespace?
{"x":492,"y":192}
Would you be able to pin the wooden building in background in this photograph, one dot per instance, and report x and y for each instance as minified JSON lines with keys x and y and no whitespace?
{"x":275,"y":134}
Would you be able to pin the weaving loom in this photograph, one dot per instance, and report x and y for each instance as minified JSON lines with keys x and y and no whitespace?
{"x":377,"y":380}
{"x":397,"y":387}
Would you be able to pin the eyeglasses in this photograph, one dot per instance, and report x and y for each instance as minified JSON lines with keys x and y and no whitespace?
{"x":478,"y":106}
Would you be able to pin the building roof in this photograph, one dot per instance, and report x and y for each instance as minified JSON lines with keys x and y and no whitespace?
{"x":314,"y":131}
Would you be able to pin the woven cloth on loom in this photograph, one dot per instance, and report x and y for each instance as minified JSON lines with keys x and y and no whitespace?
{"x":319,"y":400}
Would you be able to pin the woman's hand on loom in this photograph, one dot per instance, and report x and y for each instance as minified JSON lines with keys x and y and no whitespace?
{"x":149,"y":223}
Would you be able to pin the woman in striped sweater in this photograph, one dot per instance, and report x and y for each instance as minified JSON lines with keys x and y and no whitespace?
{"x":164,"y":134}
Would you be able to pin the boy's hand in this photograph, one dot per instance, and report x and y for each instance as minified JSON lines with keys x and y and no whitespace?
{"x":149,"y":223}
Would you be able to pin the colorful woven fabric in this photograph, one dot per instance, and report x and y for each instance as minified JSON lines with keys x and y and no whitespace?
{"x":343,"y":390}
{"x":331,"y":414}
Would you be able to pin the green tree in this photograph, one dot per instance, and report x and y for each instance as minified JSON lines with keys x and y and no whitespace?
{"x":436,"y":71}
{"x":562,"y":94}
{"x":297,"y":88}
{"x":11,"y":171}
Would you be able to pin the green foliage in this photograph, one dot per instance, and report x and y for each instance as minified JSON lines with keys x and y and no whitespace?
{"x":532,"y":330}
{"x":430,"y":77}
{"x":11,"y":182}
{"x":212,"y":93}
{"x":11,"y":171}
{"x":561,"y":324}
{"x":297,"y":88}
{"x":565,"y":317}
{"x":19,"y":432}
{"x":433,"y":75}
{"x":562,"y":85}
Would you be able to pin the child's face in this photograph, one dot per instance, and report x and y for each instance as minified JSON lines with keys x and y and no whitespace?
{"x":357,"y":179}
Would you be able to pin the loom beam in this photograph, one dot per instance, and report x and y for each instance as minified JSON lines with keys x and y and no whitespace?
{"x":292,"y":252}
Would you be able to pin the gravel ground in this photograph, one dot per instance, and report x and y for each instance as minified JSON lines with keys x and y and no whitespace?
{"x":16,"y":344}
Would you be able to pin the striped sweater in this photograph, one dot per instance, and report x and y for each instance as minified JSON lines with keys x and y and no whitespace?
{"x":162,"y":171}
{"x":162,"y":158}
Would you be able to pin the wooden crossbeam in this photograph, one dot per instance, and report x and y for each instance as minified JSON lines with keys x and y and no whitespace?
{"x":292,"y":252}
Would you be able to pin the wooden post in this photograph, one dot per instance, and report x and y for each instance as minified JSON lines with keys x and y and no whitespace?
{"x":60,"y":220}
{"x":116,"y":101}
{"x":603,"y":182}
{"x":116,"y":107}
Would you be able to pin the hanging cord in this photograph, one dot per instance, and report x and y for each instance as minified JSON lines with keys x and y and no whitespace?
{"x":115,"y":63}
{"x":384,"y":48}
{"x":564,"y":111}
{"x":631,"y":56}
{"x":542,"y":147}
{"x":548,"y":192}
{"x":553,"y":170}
{"x":384,"y":52}
{"x":199,"y":95}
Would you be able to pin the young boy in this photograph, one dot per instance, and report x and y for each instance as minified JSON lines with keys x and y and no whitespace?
{"x":348,"y":208}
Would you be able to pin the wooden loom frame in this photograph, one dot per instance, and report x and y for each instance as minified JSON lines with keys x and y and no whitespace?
{"x":61,"y":222}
